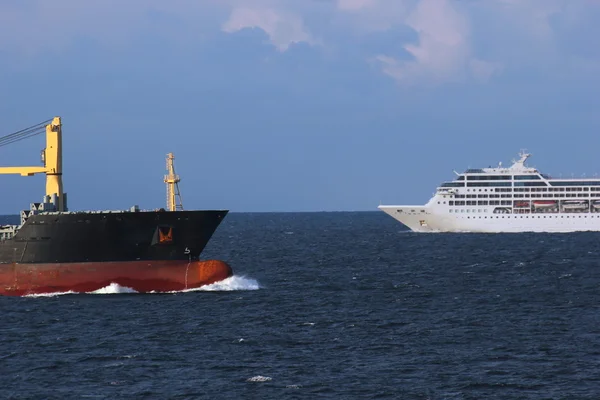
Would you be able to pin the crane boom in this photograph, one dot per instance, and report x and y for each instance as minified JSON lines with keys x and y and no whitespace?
{"x":23,"y":171}
{"x":52,"y":159}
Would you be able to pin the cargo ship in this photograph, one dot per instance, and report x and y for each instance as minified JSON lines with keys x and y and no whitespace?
{"x":57,"y":250}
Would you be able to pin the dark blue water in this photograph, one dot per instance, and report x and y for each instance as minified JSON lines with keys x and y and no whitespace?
{"x":349,"y":306}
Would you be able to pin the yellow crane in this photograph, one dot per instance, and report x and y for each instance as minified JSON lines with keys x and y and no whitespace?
{"x":51,"y":157}
{"x":172,"y":181}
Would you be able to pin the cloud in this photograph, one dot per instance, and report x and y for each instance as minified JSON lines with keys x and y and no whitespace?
{"x":283,"y":28}
{"x":459,"y":41}
{"x":414,"y":42}
{"x":443,"y":52}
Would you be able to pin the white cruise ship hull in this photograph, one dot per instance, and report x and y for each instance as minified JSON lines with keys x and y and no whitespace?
{"x":498,"y":199}
{"x":426,"y":219}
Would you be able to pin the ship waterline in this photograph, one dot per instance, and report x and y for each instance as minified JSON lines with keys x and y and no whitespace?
{"x":423,"y":219}
{"x":513,"y":199}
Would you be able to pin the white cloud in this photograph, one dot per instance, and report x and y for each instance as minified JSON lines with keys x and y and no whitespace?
{"x":443,"y":52}
{"x":453,"y":44}
{"x":283,"y":28}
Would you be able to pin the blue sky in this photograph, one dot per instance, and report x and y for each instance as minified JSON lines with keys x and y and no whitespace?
{"x":295,"y":105}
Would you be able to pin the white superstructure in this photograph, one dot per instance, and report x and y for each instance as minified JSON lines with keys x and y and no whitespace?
{"x":513,"y":199}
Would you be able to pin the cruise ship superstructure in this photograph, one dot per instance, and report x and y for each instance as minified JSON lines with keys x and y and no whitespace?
{"x":514,"y":199}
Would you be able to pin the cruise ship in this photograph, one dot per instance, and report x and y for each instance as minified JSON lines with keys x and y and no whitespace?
{"x":514,"y":199}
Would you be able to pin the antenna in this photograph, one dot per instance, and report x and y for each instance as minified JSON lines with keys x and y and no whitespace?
{"x":172,"y":180}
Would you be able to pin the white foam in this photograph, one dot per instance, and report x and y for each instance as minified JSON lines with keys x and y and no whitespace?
{"x":50,"y":294}
{"x":259,"y":378}
{"x":230,"y":284}
{"x":233,"y":283}
{"x":113,"y":288}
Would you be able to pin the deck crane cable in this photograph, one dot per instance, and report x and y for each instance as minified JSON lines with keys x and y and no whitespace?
{"x":24,"y":133}
{"x":27,"y":129}
{"x":21,"y":137}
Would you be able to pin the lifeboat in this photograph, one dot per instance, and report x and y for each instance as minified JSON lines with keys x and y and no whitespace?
{"x":575,"y":204}
{"x":522,"y":204}
{"x":544,"y":203}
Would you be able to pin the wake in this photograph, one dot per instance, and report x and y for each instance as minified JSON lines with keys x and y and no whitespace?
{"x":233,"y":283}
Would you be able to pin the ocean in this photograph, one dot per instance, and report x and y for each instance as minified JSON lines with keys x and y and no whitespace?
{"x":332,"y":306}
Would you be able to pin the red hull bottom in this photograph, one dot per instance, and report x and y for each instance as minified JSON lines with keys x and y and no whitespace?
{"x":142,"y":276}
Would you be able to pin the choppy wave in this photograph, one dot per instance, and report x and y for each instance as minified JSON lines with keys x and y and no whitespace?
{"x":347,"y":307}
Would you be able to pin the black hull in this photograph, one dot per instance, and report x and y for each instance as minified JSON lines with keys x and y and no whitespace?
{"x":111,"y":236}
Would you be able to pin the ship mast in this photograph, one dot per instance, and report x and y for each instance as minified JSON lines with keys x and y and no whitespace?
{"x":172,"y":181}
